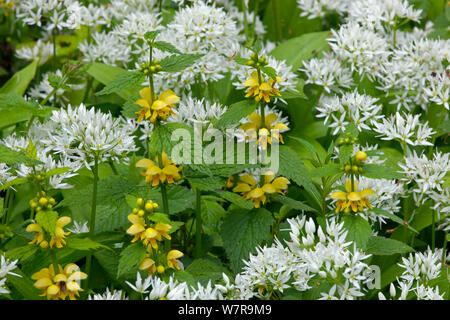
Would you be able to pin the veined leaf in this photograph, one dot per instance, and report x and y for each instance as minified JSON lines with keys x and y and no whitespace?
{"x":20,"y":81}
{"x":47,"y":220}
{"x":130,"y":258}
{"x":236,"y":112}
{"x":166,"y":47}
{"x":122,"y":81}
{"x":384,"y":246}
{"x":176,"y":63}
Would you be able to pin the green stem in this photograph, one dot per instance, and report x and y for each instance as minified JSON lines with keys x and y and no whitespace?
{"x":276,"y":14}
{"x":5,"y":205}
{"x":255,"y":13}
{"x":244,"y":10}
{"x":433,"y":234}
{"x":54,"y":260}
{"x":163,"y":190}
{"x":88,"y":88}
{"x":198,"y":220}
{"x":444,"y":247}
{"x":113,"y":167}
{"x":54,"y":48}
{"x":9,"y":206}
{"x":92,"y":220}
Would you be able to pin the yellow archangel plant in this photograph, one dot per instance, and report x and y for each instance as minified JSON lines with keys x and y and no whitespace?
{"x":156,"y":108}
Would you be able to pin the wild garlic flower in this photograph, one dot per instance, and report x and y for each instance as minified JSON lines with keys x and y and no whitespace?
{"x":106,"y":48}
{"x":351,"y":107}
{"x":6,"y":268}
{"x":41,"y":50}
{"x":109,"y":295}
{"x":319,"y":8}
{"x":406,"y":128}
{"x":86,"y":134}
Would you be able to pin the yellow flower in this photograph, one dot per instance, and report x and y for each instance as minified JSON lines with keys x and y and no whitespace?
{"x":161,"y":107}
{"x":155,"y":174}
{"x":61,"y":285}
{"x":263,"y":90}
{"x":39,"y":237}
{"x":137,"y":228}
{"x":251,"y":191}
{"x":172,"y":257}
{"x":148,"y":265}
{"x":352,"y":199}
{"x":151,"y":235}
{"x":58,"y":240}
{"x":255,"y":125}
{"x":162,"y":229}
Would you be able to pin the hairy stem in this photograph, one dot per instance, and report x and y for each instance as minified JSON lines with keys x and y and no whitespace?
{"x":198,"y":220}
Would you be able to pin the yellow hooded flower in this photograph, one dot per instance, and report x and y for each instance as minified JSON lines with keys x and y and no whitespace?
{"x":61,"y":285}
{"x":352,"y":199}
{"x":161,"y":107}
{"x":39,"y":237}
{"x":137,"y":228}
{"x":58,"y":240}
{"x":256,"y":126}
{"x":252,"y":191}
{"x":172,"y":257}
{"x":155,"y":174}
{"x":263,"y":90}
{"x":148,"y":265}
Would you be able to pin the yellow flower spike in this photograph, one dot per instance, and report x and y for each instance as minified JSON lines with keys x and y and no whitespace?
{"x":353,"y":199}
{"x":167,"y":171}
{"x":251,"y":191}
{"x":137,"y":228}
{"x":266,"y":136}
{"x":163,"y":106}
{"x":61,"y":285}
{"x":58,"y":240}
{"x":172,"y":257}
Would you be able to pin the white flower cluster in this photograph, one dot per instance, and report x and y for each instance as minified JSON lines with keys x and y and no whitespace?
{"x":319,"y":8}
{"x":41,"y":50}
{"x":359,"y":109}
{"x":84,"y":134}
{"x":428,"y":179}
{"x":6,"y":267}
{"x":419,"y":269}
{"x":409,"y":68}
{"x":406,"y":128}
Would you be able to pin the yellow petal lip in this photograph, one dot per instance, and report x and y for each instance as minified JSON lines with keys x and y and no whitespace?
{"x":366,"y":193}
{"x":248,"y":179}
{"x":143,"y":103}
{"x":34,"y":227}
{"x":169,"y":97}
{"x":61,"y":222}
{"x":256,"y":193}
{"x":146,"y":94}
{"x":354,"y":196}
{"x":242,"y":187}
{"x":146,"y":263}
{"x":174,"y":254}
{"x":43,"y":283}
{"x":269,"y":188}
{"x":144,"y":163}
{"x":339,"y":195}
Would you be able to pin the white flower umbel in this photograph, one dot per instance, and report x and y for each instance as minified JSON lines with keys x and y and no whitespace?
{"x":6,"y":266}
{"x":406,"y":128}
{"x":319,"y":8}
{"x":109,"y":295}
{"x":78,"y":228}
{"x":87,"y":134}
{"x":41,"y":50}
{"x":359,"y":109}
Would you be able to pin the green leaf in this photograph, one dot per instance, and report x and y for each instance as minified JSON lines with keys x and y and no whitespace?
{"x":383,"y":246}
{"x":294,"y":204}
{"x":56,"y":171}
{"x":47,"y":220}
{"x":159,"y":217}
{"x":130,"y":258}
{"x":297,"y":50}
{"x":345,"y":153}
{"x":242,"y":231}
{"x":166,"y":47}
{"x":13,"y":182}
{"x":271,"y":72}
{"x":236,"y":112}
{"x":105,"y":74}
{"x":359,"y":230}
{"x":205,"y":270}
{"x":176,"y":63}
{"x":375,"y":171}
{"x":393,"y":217}
{"x":212,"y":212}
{"x":291,"y":94}
{"x":160,"y":140}
{"x":84,"y":244}
{"x":22,"y":253}
{"x":151,"y":35}
{"x":121,"y":81}
{"x":235,"y":199}
{"x":11,"y":157}
{"x":20,"y":81}
{"x":179,"y":197}
{"x":24,"y":285}
{"x":327,"y":170}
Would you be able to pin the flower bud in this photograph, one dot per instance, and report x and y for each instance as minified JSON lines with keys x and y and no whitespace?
{"x":140,"y":201}
{"x":355,"y":169}
{"x":149,"y":206}
{"x":43,"y":201}
{"x":141,"y":213}
{"x":160,"y":269}
{"x":361,"y":156}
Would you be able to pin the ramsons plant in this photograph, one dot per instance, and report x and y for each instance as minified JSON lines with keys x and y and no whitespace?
{"x":201,"y":149}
